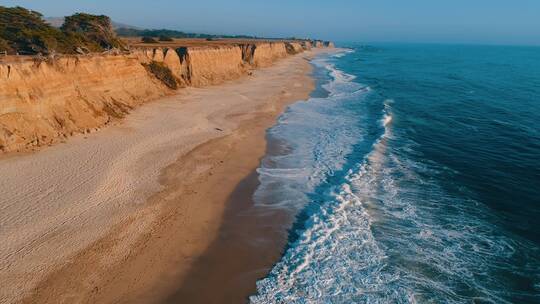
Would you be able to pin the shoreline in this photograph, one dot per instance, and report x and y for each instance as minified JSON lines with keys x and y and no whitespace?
{"x":248,"y":244}
{"x":251,"y":240}
{"x":44,"y":104}
{"x":109,"y":270}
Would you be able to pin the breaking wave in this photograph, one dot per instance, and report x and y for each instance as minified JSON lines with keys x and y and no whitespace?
{"x":373,"y":222}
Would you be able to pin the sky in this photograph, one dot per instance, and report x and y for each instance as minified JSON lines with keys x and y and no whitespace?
{"x":428,"y":21}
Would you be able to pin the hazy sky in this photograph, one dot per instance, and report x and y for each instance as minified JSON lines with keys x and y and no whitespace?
{"x":454,"y":21}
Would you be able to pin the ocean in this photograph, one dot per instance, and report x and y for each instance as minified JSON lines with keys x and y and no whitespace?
{"x":413,"y":174}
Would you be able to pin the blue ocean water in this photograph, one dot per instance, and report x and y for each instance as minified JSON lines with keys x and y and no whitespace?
{"x":414,"y":176}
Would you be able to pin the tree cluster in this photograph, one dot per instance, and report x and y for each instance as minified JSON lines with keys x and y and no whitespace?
{"x":25,"y":32}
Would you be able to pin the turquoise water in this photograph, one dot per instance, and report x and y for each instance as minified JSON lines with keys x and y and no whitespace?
{"x":414,"y":175}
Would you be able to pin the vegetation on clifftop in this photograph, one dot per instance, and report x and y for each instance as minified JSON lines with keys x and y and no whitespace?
{"x":96,"y":30}
{"x":25,"y":32}
{"x":147,"y":39}
{"x":163,"y":73}
{"x":4,"y":46}
{"x":131,"y":32}
{"x":165,"y":38}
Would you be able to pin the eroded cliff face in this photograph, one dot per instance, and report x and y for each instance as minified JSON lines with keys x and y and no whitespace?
{"x":329,"y":44}
{"x":172,"y":60}
{"x":266,"y":53}
{"x":293,"y":48}
{"x":306,"y":45}
{"x":202,"y":66}
{"x":318,"y":44}
{"x":43,"y":102}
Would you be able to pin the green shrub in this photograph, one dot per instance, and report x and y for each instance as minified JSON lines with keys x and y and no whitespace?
{"x":162,"y":73}
{"x":4,"y":46}
{"x":148,"y":39}
{"x":131,"y":32}
{"x":165,"y":38}
{"x":26,"y":32}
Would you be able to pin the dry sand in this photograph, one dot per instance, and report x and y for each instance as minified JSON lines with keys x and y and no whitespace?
{"x":120,"y":215}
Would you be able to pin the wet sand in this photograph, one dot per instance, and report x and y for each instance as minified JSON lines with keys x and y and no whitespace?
{"x":122,"y":215}
{"x":250,"y":240}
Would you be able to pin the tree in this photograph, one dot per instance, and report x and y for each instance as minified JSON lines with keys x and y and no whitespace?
{"x":4,"y":46}
{"x":96,"y":31}
{"x":25,"y":31}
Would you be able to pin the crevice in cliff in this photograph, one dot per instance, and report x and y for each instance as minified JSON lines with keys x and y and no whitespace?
{"x":248,"y":53}
{"x":290,"y":48}
{"x":185,"y":65}
{"x":306,"y":45}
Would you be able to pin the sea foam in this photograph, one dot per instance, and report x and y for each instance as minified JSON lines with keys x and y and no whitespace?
{"x":374,"y":223}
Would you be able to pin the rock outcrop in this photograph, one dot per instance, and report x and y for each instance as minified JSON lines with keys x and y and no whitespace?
{"x":172,"y":60}
{"x":318,"y":44}
{"x":306,"y":45}
{"x":44,"y":101}
{"x":293,"y":48}
{"x":329,"y":44}
{"x":158,"y":55}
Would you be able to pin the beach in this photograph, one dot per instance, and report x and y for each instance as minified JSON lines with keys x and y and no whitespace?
{"x":121,"y":215}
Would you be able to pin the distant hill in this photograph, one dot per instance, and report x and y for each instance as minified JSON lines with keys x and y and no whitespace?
{"x":58,"y":21}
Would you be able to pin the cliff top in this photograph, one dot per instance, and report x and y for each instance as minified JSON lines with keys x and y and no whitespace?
{"x":26,"y":32}
{"x":196,"y":42}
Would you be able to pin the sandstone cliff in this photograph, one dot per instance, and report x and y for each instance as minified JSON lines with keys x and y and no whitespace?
{"x":266,"y":53}
{"x":293,"y":48}
{"x":318,"y":44}
{"x":329,"y":44}
{"x":202,"y":66}
{"x":306,"y":44}
{"x":42,"y":102}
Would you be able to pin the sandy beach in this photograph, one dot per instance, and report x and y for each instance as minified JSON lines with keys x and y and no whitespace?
{"x":122,"y":214}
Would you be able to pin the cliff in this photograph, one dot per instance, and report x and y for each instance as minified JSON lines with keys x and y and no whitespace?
{"x":41,"y":103}
{"x":44,"y":101}
{"x":202,"y":66}
{"x":306,"y":44}
{"x":208,"y":65}
{"x":329,"y":44}
{"x":293,"y":48}
{"x":266,"y":53}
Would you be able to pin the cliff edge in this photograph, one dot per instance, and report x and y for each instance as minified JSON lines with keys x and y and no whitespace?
{"x":45,"y":100}
{"x":57,"y":82}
